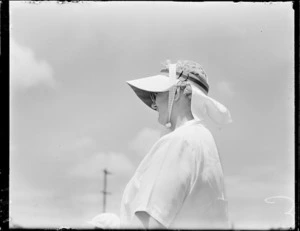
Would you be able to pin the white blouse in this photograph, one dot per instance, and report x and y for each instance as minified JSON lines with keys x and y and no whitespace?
{"x":179,"y":182}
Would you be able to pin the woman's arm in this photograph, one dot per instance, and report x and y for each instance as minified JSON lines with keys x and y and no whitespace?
{"x":164,"y":185}
{"x":147,"y":221}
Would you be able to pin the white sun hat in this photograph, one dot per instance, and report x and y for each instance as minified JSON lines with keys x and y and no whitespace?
{"x":168,"y":79}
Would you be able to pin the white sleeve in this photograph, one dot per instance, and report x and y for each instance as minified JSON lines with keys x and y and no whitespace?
{"x":167,"y":180}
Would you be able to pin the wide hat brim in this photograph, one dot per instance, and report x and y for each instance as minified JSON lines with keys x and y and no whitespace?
{"x":145,"y":86}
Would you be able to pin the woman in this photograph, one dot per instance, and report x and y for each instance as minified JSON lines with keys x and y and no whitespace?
{"x":179,"y":183}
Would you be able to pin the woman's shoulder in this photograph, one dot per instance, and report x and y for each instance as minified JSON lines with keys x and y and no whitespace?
{"x":197,"y":130}
{"x":191,"y":134}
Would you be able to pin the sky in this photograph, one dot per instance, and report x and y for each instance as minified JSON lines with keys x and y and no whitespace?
{"x":72,"y":113}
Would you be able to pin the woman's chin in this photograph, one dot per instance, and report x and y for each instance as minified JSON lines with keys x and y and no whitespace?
{"x":161,"y":121}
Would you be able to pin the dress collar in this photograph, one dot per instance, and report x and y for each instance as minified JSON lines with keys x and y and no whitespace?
{"x":190,"y":122}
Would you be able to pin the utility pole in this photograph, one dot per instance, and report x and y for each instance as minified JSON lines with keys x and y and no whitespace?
{"x":104,"y":189}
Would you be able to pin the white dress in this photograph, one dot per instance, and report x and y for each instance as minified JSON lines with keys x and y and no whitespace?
{"x":179,"y":182}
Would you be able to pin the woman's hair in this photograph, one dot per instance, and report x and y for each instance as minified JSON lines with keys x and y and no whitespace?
{"x":185,"y":67}
{"x":186,"y":87}
{"x":188,"y":66}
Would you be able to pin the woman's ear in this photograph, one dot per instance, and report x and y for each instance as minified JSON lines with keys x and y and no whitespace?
{"x":177,"y":94}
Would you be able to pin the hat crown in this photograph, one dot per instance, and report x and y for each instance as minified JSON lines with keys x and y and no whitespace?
{"x":190,"y":69}
{"x":188,"y":66}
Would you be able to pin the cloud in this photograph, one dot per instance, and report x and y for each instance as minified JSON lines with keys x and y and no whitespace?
{"x":238,"y":184}
{"x":225,"y":88}
{"x":30,"y":206}
{"x":84,"y":142}
{"x":143,"y":141}
{"x":92,"y":167}
{"x":74,"y":192}
{"x":26,"y":71}
{"x":246,"y":195}
{"x":89,"y":175}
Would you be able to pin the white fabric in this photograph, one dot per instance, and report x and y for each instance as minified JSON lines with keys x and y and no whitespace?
{"x":179,"y":182}
{"x":172,"y":90}
{"x":172,"y":72}
{"x":156,"y":83}
{"x":202,"y":104}
{"x":105,"y":221}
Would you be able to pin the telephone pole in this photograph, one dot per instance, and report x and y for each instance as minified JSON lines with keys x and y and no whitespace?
{"x":104,"y":189}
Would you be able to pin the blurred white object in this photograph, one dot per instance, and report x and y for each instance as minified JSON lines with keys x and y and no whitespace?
{"x":106,"y":221}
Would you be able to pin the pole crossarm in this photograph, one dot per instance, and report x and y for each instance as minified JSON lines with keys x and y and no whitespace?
{"x":107,"y":193}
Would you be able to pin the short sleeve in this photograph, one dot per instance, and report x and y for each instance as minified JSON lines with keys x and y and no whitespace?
{"x":167,"y":180}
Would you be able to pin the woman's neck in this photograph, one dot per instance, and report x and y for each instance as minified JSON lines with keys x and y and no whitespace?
{"x":180,"y":119}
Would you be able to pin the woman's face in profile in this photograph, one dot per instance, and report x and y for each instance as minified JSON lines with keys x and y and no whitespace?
{"x":162,"y":106}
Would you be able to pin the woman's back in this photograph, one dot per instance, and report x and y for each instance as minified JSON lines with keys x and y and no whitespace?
{"x":206,"y":204}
